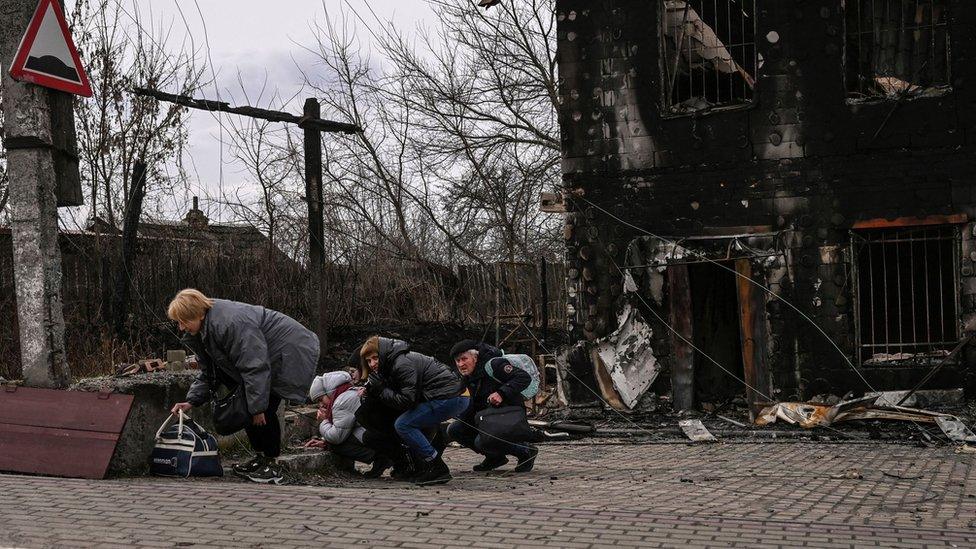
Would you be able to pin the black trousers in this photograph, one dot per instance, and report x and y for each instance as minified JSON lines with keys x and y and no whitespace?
{"x":354,"y":450}
{"x":266,"y":438}
{"x":471,"y":438}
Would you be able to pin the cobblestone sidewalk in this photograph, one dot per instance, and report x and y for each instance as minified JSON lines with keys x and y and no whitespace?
{"x":579,"y":495}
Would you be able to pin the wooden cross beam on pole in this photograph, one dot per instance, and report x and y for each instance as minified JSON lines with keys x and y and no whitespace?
{"x":313,"y":125}
{"x":327,"y":126}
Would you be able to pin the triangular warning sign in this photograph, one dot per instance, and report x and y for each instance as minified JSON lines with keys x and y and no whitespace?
{"x":47,"y":55}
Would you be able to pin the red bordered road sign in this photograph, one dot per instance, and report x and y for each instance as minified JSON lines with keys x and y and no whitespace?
{"x":47,"y":55}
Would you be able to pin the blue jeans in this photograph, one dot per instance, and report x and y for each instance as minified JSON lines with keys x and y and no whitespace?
{"x":425,"y":415}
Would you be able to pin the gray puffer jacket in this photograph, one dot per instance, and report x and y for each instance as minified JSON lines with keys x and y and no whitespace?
{"x":262,"y":349}
{"x":410,"y":378}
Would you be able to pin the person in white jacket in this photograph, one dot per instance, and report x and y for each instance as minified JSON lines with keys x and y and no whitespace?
{"x":338,"y":402}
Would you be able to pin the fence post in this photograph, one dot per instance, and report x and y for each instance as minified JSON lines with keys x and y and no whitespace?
{"x":544,"y":297}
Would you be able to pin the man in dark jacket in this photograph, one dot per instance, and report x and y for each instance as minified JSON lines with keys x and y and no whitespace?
{"x":425,"y":391}
{"x":504,"y":389}
{"x":269,"y":354}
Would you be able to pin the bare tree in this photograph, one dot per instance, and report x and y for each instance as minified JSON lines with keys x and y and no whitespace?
{"x":115,"y":128}
{"x":460,"y":131}
{"x":268,"y":154}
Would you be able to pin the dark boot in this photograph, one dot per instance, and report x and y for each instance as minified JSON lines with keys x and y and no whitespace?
{"x":403,"y":469}
{"x":527,"y":462}
{"x":380,"y":465}
{"x":490,"y":463}
{"x":435,"y":472}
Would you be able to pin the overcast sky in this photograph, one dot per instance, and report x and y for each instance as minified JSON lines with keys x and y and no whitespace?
{"x":256,"y":38}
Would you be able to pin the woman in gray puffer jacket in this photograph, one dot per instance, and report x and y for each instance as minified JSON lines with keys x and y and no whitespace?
{"x":268,"y":353}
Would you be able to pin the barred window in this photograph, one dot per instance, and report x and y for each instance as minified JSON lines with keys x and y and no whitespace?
{"x":896,"y":48}
{"x":906,"y":297}
{"x":709,"y":49}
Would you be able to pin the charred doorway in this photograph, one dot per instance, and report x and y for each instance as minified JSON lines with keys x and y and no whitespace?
{"x":715,"y":320}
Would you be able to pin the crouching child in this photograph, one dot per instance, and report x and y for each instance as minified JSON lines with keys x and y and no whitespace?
{"x":338,"y":402}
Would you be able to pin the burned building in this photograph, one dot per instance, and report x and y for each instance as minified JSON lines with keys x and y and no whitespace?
{"x":778,"y":192}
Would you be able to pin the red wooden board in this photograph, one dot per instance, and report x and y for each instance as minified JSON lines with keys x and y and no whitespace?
{"x":62,"y":433}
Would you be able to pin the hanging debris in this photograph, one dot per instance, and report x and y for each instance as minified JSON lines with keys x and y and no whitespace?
{"x":628,"y":358}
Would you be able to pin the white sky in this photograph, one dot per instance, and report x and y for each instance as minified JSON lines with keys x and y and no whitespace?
{"x":256,"y":38}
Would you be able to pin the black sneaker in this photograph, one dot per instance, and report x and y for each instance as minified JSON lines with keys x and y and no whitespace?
{"x":527,"y":463}
{"x":490,"y":463}
{"x":250,"y":466}
{"x":435,"y":472}
{"x":269,"y":474}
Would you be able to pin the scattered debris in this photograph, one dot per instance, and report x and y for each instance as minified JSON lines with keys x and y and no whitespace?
{"x":902,"y":477}
{"x":920,"y":399}
{"x":732,"y":421}
{"x":145,"y":366}
{"x":809,"y":415}
{"x":850,"y":474}
{"x":696,"y":431}
{"x":954,"y":429}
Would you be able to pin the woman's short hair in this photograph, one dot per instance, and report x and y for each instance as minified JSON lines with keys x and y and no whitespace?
{"x":189,"y":304}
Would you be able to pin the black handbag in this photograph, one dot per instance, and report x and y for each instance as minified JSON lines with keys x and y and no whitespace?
{"x":230,"y":413}
{"x":505,"y":423}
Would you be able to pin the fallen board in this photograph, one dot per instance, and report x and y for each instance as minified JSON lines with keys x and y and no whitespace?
{"x":61,"y":433}
{"x":696,"y":430}
{"x":955,"y":429}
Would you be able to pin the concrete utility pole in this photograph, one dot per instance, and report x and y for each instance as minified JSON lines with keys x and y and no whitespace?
{"x":34,"y":211}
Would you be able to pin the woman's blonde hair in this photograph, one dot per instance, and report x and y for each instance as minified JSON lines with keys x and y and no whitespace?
{"x":370,"y":347}
{"x":189,"y":304}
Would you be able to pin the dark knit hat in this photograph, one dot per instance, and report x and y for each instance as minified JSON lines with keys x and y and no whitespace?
{"x":355,"y":359}
{"x":463,"y":346}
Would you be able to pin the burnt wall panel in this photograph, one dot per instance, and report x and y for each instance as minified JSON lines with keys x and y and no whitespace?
{"x":802,"y":160}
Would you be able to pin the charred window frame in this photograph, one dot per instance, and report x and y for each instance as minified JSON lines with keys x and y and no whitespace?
{"x":906,"y":293}
{"x":896,"y":48}
{"x":709,"y":56}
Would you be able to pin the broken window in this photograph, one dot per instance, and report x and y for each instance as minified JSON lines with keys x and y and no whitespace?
{"x":907,"y":292}
{"x":896,"y":48}
{"x":709,"y":53}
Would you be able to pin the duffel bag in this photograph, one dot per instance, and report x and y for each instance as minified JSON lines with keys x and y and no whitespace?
{"x":184,"y":449}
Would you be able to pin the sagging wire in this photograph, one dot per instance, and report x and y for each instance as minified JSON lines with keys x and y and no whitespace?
{"x":216,"y":117}
{"x":758,"y":284}
{"x":667,"y":325}
{"x":763,"y":287}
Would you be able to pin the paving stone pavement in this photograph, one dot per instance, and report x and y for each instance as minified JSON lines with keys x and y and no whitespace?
{"x":580,"y":495}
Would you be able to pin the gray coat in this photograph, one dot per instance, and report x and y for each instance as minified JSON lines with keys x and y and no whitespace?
{"x":262,"y":349}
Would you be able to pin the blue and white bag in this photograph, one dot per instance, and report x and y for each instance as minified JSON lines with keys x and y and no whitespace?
{"x":522,"y":362}
{"x":184,"y":450}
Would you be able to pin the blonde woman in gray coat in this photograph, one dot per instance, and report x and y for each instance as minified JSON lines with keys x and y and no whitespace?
{"x":268,"y":353}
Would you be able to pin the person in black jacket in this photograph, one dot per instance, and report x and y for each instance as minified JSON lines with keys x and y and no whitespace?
{"x":504,"y":389}
{"x":425,"y":391}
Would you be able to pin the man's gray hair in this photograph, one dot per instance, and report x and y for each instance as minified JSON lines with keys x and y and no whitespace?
{"x":472,"y":352}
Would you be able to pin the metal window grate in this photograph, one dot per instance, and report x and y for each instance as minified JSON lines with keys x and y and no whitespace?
{"x":907,"y":292}
{"x":709,"y":53}
{"x":896,"y":47}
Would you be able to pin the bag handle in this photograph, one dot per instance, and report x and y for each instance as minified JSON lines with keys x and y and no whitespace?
{"x":182,"y":417}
